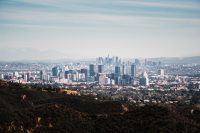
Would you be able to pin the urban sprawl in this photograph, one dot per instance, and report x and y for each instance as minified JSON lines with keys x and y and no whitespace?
{"x":111,"y":78}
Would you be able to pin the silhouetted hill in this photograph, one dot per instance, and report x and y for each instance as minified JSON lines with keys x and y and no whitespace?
{"x":26,"y":109}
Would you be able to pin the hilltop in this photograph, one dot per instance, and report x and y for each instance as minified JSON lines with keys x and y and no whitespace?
{"x":27,"y":109}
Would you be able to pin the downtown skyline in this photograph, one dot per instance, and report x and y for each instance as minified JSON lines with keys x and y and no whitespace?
{"x":85,"y":29}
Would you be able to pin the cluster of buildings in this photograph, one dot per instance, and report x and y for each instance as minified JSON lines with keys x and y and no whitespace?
{"x":108,"y":72}
{"x":137,"y":81}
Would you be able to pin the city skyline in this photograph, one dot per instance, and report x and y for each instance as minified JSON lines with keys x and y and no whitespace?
{"x":76,"y":29}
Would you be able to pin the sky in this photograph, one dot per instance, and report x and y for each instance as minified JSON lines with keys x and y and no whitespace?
{"x":52,"y":29}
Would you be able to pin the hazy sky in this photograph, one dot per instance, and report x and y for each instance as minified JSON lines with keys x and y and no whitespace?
{"x":39,"y":29}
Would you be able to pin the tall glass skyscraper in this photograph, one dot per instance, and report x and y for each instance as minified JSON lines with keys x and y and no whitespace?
{"x":92,"y":72}
{"x":100,"y":68}
{"x":117,"y":71}
{"x":56,"y":71}
{"x":133,"y":70}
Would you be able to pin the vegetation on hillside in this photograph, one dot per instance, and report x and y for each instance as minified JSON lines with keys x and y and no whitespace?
{"x":26,"y":109}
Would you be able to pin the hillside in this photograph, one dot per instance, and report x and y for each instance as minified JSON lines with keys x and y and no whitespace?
{"x":26,"y":109}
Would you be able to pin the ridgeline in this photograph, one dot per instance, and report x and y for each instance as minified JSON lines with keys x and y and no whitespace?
{"x":27,"y":109}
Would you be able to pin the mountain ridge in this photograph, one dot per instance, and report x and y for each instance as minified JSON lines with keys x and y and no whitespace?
{"x":27,"y":109}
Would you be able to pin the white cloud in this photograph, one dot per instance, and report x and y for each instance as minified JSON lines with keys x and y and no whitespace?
{"x":166,"y":4}
{"x":48,"y":19}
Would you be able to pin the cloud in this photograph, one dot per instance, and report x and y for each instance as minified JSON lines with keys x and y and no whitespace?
{"x":71,"y":19}
{"x":163,"y":4}
{"x":73,"y":23}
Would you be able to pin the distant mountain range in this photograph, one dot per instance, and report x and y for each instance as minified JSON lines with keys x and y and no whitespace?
{"x":178,"y":60}
{"x":34,"y":55}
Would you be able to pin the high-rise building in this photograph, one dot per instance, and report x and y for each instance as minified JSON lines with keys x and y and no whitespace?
{"x":144,"y":80}
{"x":66,"y":74}
{"x":85,"y":72}
{"x":28,"y":76}
{"x":25,"y":77}
{"x":100,"y":68}
{"x":92,"y":72}
{"x":161,"y":72}
{"x":133,"y":70}
{"x":56,"y":71}
{"x":107,"y":81}
{"x":123,"y":69}
{"x":1,"y":76}
{"x":16,"y":74}
{"x":116,"y":60}
{"x":126,"y":80}
{"x":117,"y":80}
{"x":61,"y":75}
{"x":102,"y":78}
{"x":41,"y":75}
{"x":117,"y":71}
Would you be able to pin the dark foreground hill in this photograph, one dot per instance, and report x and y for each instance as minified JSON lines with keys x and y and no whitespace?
{"x":25,"y":109}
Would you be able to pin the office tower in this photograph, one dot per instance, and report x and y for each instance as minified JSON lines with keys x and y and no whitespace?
{"x":112,"y":76}
{"x":61,"y":75}
{"x":81,"y":77}
{"x":28,"y":76}
{"x":74,"y":77}
{"x":117,"y":80}
{"x":85,"y":72}
{"x":92,"y":72}
{"x":123,"y":69}
{"x":41,"y":75}
{"x":144,"y":80}
{"x":116,"y":60}
{"x":126,"y":80}
{"x":117,"y":71}
{"x":107,"y":81}
{"x":56,"y":71}
{"x":133,"y":70}
{"x":112,"y":82}
{"x":1,"y":76}
{"x":24,"y":77}
{"x":100,"y":60}
{"x":16,"y":74}
{"x":102,"y":78}
{"x":161,"y":72}
{"x":66,"y":74}
{"x":100,"y":68}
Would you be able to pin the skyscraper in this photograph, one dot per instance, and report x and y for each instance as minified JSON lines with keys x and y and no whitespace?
{"x":161,"y":72}
{"x":100,"y":68}
{"x":92,"y":72}
{"x":66,"y":74}
{"x":85,"y":72}
{"x":133,"y":70}
{"x":56,"y":71}
{"x":117,"y":71}
{"x":144,"y":80}
{"x":28,"y":76}
{"x":41,"y":75}
{"x":123,"y":69}
{"x":102,"y":78}
{"x":126,"y":80}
